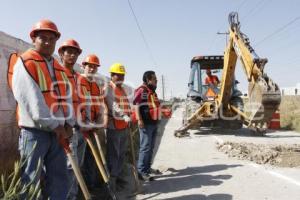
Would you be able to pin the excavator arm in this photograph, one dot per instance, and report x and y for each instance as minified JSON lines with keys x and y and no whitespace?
{"x":264,"y":94}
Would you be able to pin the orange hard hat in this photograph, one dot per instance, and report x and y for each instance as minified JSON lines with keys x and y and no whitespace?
{"x":91,"y":59}
{"x":70,"y":43}
{"x":44,"y":25}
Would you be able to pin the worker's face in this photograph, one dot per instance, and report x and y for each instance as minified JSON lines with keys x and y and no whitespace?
{"x":208,"y":73}
{"x":69,"y":56}
{"x":90,"y":69}
{"x":44,"y":42}
{"x":118,"y":79}
{"x":153,"y":81}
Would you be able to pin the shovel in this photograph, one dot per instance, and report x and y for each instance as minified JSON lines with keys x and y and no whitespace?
{"x":77,"y":172}
{"x":101,"y":153}
{"x":138,"y":188}
{"x":99,"y":165}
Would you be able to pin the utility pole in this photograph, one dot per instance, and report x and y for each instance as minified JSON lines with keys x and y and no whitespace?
{"x":163,"y":87}
{"x":224,"y":33}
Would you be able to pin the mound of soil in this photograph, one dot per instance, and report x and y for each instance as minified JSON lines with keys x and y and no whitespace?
{"x":278,"y":155}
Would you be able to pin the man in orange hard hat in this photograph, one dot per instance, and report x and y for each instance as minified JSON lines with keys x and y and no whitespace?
{"x":40,"y":89}
{"x":94,"y":115}
{"x":69,"y":52}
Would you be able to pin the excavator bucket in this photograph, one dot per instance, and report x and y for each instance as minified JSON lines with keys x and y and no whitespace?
{"x":264,"y":100}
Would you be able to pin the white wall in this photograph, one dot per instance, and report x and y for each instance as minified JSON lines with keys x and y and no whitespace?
{"x":291,"y":90}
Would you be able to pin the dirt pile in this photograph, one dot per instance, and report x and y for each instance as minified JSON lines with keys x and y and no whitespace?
{"x":278,"y":155}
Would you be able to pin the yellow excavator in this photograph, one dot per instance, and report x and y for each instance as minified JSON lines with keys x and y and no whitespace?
{"x":218,"y":103}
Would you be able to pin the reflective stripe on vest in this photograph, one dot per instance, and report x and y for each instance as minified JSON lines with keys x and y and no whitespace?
{"x":90,"y":90}
{"x":41,"y":77}
{"x":72,"y":77}
{"x":153,"y":103}
{"x":37,"y":68}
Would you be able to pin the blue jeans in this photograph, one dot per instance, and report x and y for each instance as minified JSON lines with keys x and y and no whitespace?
{"x":53,"y":160}
{"x":147,"y":142}
{"x":117,"y":141}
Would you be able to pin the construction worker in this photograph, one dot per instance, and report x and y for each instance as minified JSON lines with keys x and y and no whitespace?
{"x":147,"y":111}
{"x":40,"y":87}
{"x":94,"y":115}
{"x":69,"y":52}
{"x":118,"y":125}
{"x":211,"y":79}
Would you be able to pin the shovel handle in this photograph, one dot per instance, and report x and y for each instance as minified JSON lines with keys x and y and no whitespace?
{"x":134,"y":170}
{"x":79,"y":177}
{"x":98,"y":161}
{"x":65,"y":144}
{"x":101,"y":153}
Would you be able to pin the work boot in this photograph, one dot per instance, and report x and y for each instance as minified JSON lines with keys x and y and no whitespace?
{"x":155,"y":171}
{"x":145,"y":177}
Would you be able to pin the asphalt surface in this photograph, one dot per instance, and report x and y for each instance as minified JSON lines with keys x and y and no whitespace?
{"x":193,"y":168}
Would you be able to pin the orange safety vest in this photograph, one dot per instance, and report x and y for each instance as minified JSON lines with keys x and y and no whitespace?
{"x":73,"y":77}
{"x":153,"y":103}
{"x":37,"y":68}
{"x":11,"y":64}
{"x":123,"y":103}
{"x":95,"y":93}
{"x":211,"y":80}
{"x":210,"y":93}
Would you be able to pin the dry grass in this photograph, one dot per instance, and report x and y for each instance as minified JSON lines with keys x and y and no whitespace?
{"x":290,"y":113}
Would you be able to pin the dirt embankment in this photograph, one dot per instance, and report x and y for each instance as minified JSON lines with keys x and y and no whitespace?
{"x":277,"y":155}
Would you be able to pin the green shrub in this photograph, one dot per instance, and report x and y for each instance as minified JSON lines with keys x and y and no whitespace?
{"x":11,"y":187}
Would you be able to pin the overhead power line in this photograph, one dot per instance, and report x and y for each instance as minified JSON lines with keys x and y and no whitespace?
{"x":277,"y":31}
{"x":237,"y":8}
{"x":259,"y":5}
{"x":142,"y":33}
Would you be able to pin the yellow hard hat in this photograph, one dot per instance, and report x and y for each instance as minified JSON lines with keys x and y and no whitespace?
{"x":117,"y":68}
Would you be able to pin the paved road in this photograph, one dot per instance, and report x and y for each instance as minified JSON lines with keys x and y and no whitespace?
{"x":196,"y":170}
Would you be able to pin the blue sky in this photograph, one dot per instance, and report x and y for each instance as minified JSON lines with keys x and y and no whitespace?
{"x":176,"y":30}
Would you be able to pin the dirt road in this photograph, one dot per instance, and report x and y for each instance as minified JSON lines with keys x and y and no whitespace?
{"x":194,"y":168}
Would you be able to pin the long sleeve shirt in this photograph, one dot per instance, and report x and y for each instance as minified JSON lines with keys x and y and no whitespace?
{"x":33,"y":110}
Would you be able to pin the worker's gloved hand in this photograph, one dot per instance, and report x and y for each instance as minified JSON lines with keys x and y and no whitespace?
{"x":126,"y":118}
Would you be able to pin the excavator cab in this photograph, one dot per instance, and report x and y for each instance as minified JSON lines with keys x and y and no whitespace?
{"x":200,"y":86}
{"x":204,"y":88}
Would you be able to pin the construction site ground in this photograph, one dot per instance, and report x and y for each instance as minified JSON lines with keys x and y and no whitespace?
{"x":222,"y":165}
